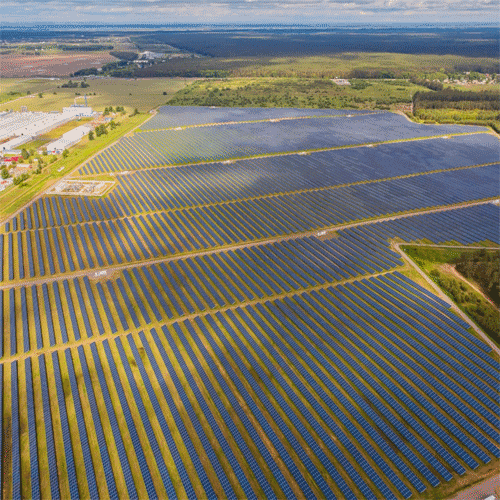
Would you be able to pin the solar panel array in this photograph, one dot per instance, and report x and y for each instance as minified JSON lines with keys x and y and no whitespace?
{"x":174,"y":232}
{"x":238,"y":140}
{"x":175,"y":116}
{"x":240,"y":342}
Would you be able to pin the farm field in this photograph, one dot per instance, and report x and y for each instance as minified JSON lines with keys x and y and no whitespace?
{"x":57,"y":64}
{"x":249,"y":329}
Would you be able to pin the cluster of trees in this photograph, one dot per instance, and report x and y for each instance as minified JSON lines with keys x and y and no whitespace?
{"x":472,"y":303}
{"x":109,"y":109}
{"x":457,"y":99}
{"x":437,"y":86}
{"x":20,"y":179}
{"x":102,"y":130}
{"x":85,"y":48}
{"x":73,"y":85}
{"x":126,"y":56}
{"x":85,"y":72}
{"x":484,"y":268}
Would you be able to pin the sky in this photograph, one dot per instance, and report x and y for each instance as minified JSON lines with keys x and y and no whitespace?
{"x":250,"y":11}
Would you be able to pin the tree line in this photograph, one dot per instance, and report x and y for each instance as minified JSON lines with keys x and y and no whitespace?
{"x":456,"y":99}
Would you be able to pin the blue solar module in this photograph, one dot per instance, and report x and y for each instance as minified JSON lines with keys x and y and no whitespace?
{"x":24,"y":315}
{"x":128,"y":304}
{"x":62,"y":268}
{"x":84,"y":442}
{"x":310,"y":343}
{"x":138,"y":298}
{"x":137,"y":240}
{"x":15,"y":433}
{"x":444,"y":421}
{"x":48,"y":314}
{"x":156,"y":292}
{"x":207,"y":446}
{"x":166,"y":288}
{"x":81,"y":307}
{"x":257,"y":440}
{"x":36,"y":314}
{"x":48,"y":252}
{"x":161,"y":420}
{"x":120,"y":229}
{"x":30,"y":404}
{"x":179,"y":283}
{"x":368,"y":450}
{"x":117,"y":306}
{"x":71,"y":309}
{"x":97,"y":252}
{"x":117,"y":435}
{"x":281,"y":424}
{"x":178,"y":420}
{"x":155,"y":448}
{"x":10,"y":255}
{"x":99,"y":230}
{"x":68,"y":449}
{"x":29,"y":251}
{"x":146,"y":295}
{"x":83,"y":241}
{"x":67,"y":249}
{"x":13,"y":325}
{"x":116,"y":233}
{"x":39,"y":253}
{"x":105,"y":229}
{"x":235,"y":433}
{"x":60,"y":313}
{"x":173,"y":116}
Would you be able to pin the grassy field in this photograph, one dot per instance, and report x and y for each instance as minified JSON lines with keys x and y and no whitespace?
{"x":12,"y":88}
{"x":295,"y":92}
{"x":143,"y":94}
{"x":466,"y":117}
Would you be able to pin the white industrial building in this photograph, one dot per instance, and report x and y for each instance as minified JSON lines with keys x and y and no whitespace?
{"x":68,"y":139}
{"x":22,"y":127}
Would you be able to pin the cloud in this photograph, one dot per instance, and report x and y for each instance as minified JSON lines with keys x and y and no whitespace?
{"x":302,"y":11}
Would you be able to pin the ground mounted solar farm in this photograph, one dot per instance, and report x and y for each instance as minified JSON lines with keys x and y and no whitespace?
{"x":233,"y":318}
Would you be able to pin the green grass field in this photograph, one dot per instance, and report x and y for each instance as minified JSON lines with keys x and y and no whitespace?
{"x":143,"y":94}
{"x":295,"y":92}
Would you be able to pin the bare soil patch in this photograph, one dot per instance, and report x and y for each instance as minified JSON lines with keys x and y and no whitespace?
{"x":15,"y":65}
